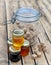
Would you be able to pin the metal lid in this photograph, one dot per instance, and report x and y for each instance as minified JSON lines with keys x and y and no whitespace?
{"x":11,"y":49}
{"x":10,"y":41}
{"x":26,"y":43}
{"x":18,"y":32}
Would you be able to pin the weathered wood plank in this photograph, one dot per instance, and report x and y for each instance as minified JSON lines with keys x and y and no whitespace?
{"x":34,"y":4}
{"x":15,"y":5}
{"x":3,"y":41}
{"x":10,"y":9}
{"x":43,"y":39}
{"x":45,"y":11}
{"x":47,"y":28}
{"x":22,"y":4}
{"x":11,"y":27}
{"x":25,"y":59}
{"x":28,"y":60}
{"x":39,"y":60}
{"x":28,"y":4}
{"x":11,"y":6}
{"x":2,"y":11}
{"x":49,"y":1}
{"x":47,"y":4}
{"x":3,"y":46}
{"x":15,"y":63}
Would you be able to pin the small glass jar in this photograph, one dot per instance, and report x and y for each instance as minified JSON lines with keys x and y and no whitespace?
{"x":18,"y":38}
{"x":25,"y":48}
{"x":14,"y":55}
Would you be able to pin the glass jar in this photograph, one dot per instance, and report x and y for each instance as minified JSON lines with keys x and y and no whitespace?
{"x":14,"y":55}
{"x":18,"y":38}
{"x":25,"y":48}
{"x":27,"y":18}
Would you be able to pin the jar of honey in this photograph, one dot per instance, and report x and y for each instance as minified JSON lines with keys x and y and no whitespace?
{"x":18,"y":38}
{"x":14,"y":55}
{"x":25,"y":48}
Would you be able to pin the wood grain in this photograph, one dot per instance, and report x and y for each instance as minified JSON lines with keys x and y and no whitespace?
{"x":7,"y":8}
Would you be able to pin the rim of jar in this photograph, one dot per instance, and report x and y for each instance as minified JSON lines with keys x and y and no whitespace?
{"x":11,"y":49}
{"x":26,"y":43}
{"x":10,"y":41}
{"x":18,"y":32}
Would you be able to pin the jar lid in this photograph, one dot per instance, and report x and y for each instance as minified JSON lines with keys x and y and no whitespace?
{"x":11,"y":49}
{"x":27,"y":15}
{"x":10,"y":41}
{"x":18,"y":32}
{"x":26,"y":43}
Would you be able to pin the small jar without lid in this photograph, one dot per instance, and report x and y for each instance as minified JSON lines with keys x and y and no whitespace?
{"x":25,"y":48}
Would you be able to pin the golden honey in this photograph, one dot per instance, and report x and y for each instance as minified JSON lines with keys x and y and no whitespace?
{"x":18,"y":38}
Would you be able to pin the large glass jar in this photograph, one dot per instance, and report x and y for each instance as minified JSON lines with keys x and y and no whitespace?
{"x":27,"y":19}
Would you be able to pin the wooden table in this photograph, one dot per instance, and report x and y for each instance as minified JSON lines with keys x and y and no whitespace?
{"x":43,"y":25}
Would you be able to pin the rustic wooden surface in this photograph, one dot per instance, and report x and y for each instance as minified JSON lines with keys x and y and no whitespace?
{"x":7,"y":8}
{"x":3,"y":42}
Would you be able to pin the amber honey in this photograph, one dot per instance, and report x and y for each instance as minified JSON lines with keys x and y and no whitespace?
{"x":18,"y":38}
{"x":25,"y":49}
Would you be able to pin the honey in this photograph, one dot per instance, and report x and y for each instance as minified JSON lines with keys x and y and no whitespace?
{"x":18,"y":38}
{"x":25,"y":48}
{"x":24,"y":51}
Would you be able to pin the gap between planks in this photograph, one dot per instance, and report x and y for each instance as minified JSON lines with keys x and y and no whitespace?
{"x":47,"y":28}
{"x":39,"y":60}
{"x":45,"y":11}
{"x":47,"y":4}
{"x":43,"y":39}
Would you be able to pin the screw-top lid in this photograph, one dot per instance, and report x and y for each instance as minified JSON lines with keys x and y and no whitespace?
{"x":10,"y":41}
{"x":18,"y":32}
{"x":26,"y":43}
{"x":11,"y":49}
